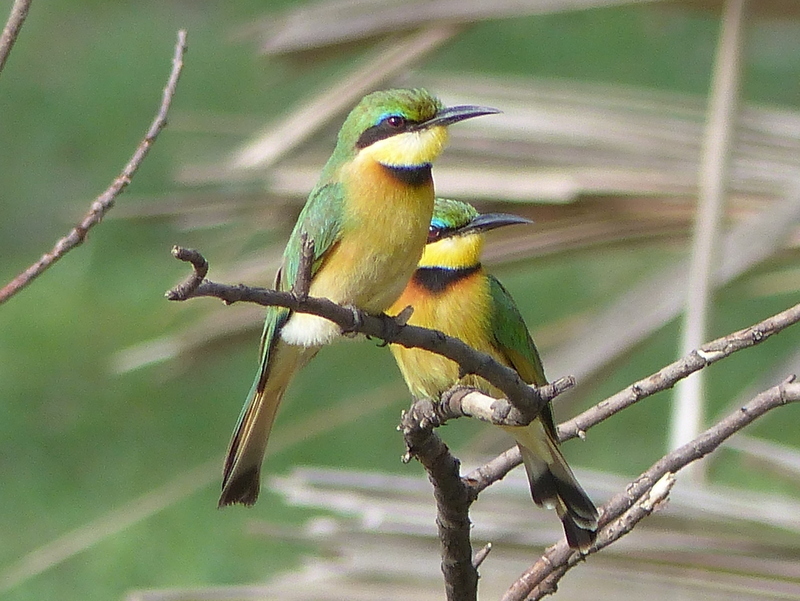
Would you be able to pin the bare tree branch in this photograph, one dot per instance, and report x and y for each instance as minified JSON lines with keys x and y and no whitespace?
{"x":454,"y":494}
{"x":465,"y":401}
{"x":618,"y":519}
{"x":452,"y":501}
{"x":482,"y":554}
{"x":663,"y":379}
{"x":10,"y":32}
{"x":527,"y":400}
{"x":640,"y":497}
{"x":199,"y":270}
{"x":105,"y":201}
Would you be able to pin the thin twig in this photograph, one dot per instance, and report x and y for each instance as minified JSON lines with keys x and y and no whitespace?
{"x":10,"y":32}
{"x":105,"y":201}
{"x":453,"y":493}
{"x":302,"y":284}
{"x":663,"y":379}
{"x":620,"y":514}
{"x":199,"y":271}
{"x":464,"y":401}
{"x":526,"y":399}
{"x":482,"y":554}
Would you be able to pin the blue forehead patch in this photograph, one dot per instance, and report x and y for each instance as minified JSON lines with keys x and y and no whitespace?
{"x":387,"y":114}
{"x":438,"y":224}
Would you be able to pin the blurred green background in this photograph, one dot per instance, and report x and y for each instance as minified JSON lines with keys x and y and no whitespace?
{"x":78,"y":439}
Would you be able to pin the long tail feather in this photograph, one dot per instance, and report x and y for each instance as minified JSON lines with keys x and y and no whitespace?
{"x":279,"y":363}
{"x":553,"y":485}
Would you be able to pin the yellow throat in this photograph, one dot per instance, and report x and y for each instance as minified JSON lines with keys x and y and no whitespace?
{"x":410,"y":149}
{"x":455,"y":252}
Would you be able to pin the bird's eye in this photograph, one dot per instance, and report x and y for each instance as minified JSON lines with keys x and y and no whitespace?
{"x":434,"y":233}
{"x":395,"y":121}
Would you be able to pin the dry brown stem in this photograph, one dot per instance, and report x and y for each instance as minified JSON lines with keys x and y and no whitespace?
{"x":105,"y":201}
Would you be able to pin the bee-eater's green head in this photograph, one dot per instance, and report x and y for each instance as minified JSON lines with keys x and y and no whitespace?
{"x":455,"y":235}
{"x":400,"y":128}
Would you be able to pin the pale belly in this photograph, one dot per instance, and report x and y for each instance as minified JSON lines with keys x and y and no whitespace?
{"x":373,"y":287}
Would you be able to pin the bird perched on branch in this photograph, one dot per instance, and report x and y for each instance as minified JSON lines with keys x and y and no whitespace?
{"x":450,"y":291}
{"x":368,"y":218}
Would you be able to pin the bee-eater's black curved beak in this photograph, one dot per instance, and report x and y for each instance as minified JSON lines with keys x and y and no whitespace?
{"x":454,"y":114}
{"x":490,"y":221}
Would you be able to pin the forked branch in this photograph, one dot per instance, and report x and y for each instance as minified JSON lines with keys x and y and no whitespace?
{"x":663,"y":379}
{"x":620,"y":514}
{"x":454,"y":494}
{"x":527,"y":400}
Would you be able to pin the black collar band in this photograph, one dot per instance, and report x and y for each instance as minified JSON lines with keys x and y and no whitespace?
{"x":415,"y":176}
{"x":439,"y":279}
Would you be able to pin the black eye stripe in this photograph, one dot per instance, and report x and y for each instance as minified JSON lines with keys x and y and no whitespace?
{"x":384,"y":130}
{"x":437,"y":233}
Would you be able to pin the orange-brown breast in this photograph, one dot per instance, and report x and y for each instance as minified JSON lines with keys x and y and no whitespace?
{"x":384,"y":231}
{"x":463,"y":311}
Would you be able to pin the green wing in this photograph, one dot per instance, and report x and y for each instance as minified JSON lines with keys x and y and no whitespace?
{"x":514,"y":340}
{"x":512,"y":336}
{"x":321,"y":221}
{"x":551,"y":480}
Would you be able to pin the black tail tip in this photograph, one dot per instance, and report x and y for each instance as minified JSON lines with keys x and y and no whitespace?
{"x":242,"y":489}
{"x":577,"y":537}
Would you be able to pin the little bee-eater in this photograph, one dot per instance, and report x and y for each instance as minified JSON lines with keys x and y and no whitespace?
{"x":368,"y":217}
{"x":450,"y":291}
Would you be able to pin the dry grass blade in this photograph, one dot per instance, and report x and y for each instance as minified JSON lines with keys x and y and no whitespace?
{"x":336,"y":22}
{"x":588,"y":129}
{"x":688,"y":408}
{"x":646,"y":307}
{"x":275,"y":141}
{"x":558,"y":141}
{"x":772,"y":454}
